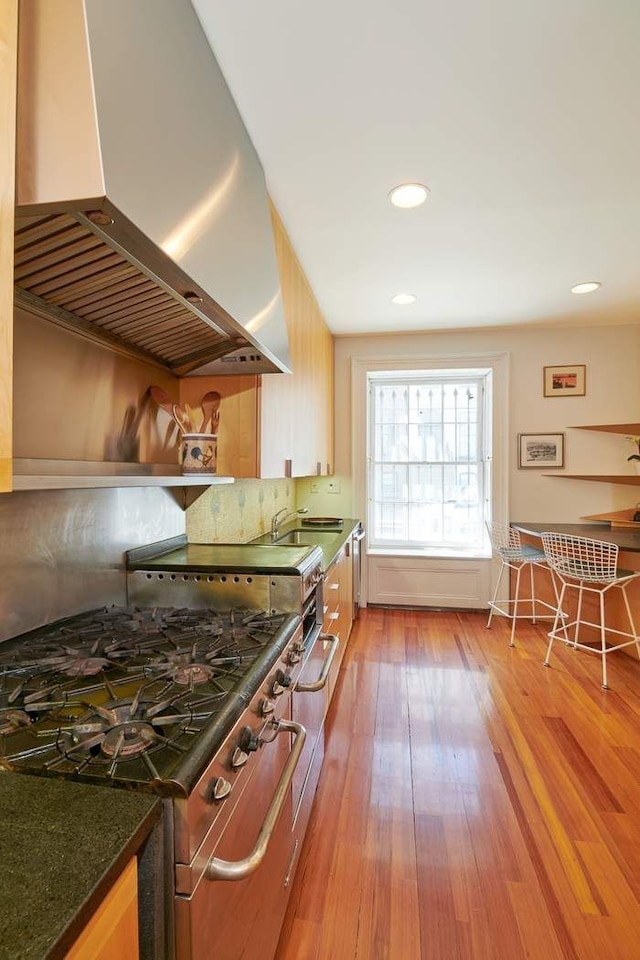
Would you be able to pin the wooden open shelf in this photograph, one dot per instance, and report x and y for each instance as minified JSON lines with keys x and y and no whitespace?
{"x":31,"y":474}
{"x":628,"y":479}
{"x":618,"y":519}
{"x":632,"y":429}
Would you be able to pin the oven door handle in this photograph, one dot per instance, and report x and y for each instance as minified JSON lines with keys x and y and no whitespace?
{"x":218,"y":869}
{"x":321,"y":682}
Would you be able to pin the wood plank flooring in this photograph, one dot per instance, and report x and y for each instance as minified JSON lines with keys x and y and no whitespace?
{"x":473,"y":805}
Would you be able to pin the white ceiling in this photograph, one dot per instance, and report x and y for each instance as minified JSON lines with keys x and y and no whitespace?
{"x":523,"y":118}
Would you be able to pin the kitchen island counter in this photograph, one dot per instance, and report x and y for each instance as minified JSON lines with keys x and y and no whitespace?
{"x":627,"y":540}
{"x":62,"y":846}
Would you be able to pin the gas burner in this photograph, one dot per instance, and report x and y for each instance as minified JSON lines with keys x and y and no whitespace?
{"x":76,"y":663}
{"x":122,"y":730}
{"x":192,"y":674}
{"x":198,"y":666}
{"x":12,"y":720}
{"x":128,"y":739}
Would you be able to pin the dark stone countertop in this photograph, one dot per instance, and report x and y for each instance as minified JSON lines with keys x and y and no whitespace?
{"x":331,"y":536}
{"x":330,"y":551}
{"x":626,"y":539}
{"x":262,"y":555}
{"x":62,"y":845}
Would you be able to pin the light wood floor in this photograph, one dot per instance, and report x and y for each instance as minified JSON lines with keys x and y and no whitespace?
{"x":473,"y":805}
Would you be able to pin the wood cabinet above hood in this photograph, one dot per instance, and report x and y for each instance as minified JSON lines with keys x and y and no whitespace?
{"x":142,"y":213}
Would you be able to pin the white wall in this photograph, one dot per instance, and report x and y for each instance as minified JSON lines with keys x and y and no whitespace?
{"x":612,"y":358}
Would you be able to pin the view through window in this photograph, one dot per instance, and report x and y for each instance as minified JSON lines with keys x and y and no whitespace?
{"x":429,"y":458}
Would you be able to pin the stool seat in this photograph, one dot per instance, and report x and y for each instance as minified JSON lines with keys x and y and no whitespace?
{"x":523,"y":552}
{"x":516,"y":556}
{"x":588,"y":566}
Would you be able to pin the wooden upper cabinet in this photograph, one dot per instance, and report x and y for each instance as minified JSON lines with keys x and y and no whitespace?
{"x":311,"y":347}
{"x":8,"y":79}
{"x":279,"y":425}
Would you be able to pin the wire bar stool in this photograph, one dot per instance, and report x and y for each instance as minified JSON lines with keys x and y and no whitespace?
{"x":516,"y":556}
{"x":588,"y":566}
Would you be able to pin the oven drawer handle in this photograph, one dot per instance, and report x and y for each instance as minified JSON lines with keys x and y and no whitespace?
{"x":218,"y":869}
{"x":326,"y":667}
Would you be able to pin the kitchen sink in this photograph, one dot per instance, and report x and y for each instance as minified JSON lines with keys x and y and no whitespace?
{"x":310,"y":537}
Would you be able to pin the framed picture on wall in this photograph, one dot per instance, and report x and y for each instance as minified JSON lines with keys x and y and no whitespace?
{"x":567,"y":381}
{"x":540,"y":451}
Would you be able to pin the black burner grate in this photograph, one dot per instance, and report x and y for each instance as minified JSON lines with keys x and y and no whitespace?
{"x":123,"y":694}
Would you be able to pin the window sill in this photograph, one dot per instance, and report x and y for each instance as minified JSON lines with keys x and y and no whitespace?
{"x":431,"y":553}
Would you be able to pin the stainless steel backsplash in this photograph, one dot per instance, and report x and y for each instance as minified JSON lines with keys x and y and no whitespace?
{"x":62,"y":551}
{"x":75,"y":400}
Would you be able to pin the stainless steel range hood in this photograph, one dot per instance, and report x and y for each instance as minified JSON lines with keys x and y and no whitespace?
{"x":142,"y":213}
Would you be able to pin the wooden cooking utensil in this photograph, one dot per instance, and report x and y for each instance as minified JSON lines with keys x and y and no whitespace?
{"x":162,"y":398}
{"x":192,"y":415}
{"x":209,"y":405}
{"x":182,"y":419}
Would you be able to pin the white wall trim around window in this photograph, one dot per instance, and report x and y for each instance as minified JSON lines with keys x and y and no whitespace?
{"x":478,"y":570}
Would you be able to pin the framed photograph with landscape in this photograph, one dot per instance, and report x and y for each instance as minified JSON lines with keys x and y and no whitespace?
{"x":567,"y":381}
{"x":541,"y":450}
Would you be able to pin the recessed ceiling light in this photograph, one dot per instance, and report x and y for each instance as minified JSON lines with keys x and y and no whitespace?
{"x":403,"y":298}
{"x":586,"y":287}
{"x":408,"y":195}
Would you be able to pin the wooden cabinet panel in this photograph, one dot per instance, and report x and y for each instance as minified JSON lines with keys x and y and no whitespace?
{"x":279,"y":425}
{"x":311,"y":347}
{"x":113,"y":929}
{"x":8,"y":72}
{"x":338,"y":607}
{"x":238,"y":433}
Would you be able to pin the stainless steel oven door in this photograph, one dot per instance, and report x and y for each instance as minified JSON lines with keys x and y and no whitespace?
{"x":310,"y":703}
{"x":240,"y":917}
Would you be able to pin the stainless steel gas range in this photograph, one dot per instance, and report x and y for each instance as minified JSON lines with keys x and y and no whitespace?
{"x":209,"y":693}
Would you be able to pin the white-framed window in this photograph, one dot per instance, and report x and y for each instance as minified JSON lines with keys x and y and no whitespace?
{"x":429,"y":437}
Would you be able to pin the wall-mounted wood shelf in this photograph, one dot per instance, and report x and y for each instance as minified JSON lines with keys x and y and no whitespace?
{"x":628,"y":479}
{"x":619,"y":519}
{"x":86,"y":475}
{"x":628,"y":428}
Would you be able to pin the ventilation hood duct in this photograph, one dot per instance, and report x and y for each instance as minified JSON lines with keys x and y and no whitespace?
{"x":142,"y":214}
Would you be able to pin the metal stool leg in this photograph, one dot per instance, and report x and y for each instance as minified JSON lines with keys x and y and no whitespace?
{"x":603,"y":641}
{"x":514,"y":620}
{"x":559,"y":612}
{"x":533,"y":594}
{"x":495,"y":593}
{"x":576,"y":632}
{"x":552,"y":632}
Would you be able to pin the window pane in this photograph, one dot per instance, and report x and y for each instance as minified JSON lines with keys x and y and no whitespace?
{"x":427,"y":469}
{"x":390,"y":482}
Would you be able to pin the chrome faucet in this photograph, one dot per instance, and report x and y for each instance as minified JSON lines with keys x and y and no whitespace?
{"x":274,"y":522}
{"x":275,"y":519}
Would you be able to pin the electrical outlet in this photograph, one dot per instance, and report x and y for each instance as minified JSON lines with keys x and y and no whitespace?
{"x":314,"y":486}
{"x":333,"y":485}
